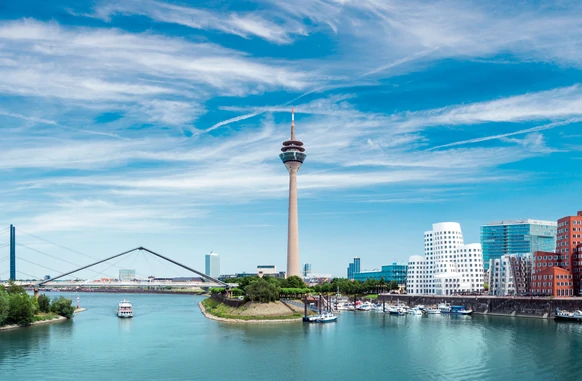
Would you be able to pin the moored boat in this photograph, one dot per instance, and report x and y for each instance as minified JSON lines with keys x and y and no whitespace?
{"x":433,"y":310}
{"x":457,"y":310}
{"x":575,"y":316}
{"x":125,"y":309}
{"x":326,"y":317}
{"x":415,"y":311}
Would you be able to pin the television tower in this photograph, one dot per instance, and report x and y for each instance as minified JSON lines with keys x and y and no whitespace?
{"x":293,"y":156}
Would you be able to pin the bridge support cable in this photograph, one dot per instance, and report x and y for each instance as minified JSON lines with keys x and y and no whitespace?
{"x":85,"y":267}
{"x":58,"y":245}
{"x":204,"y":276}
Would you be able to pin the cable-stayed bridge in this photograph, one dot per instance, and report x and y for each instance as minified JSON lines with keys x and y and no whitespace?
{"x":100,"y":280}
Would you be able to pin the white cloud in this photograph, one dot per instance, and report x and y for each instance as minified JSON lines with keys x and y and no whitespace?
{"x":241,"y":24}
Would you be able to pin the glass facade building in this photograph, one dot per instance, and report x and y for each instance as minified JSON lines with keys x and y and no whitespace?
{"x":517,"y":237}
{"x":395,"y":271}
{"x":354,"y":268}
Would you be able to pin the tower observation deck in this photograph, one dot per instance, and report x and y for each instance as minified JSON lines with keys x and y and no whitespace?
{"x":293,"y":155}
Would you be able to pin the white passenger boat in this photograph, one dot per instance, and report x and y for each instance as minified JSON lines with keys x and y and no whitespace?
{"x":326,"y":317}
{"x":124,"y":309}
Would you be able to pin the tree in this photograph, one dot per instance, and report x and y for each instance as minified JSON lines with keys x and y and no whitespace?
{"x":4,"y":305}
{"x":44,"y":303}
{"x":21,"y":310}
{"x":63,"y":307}
{"x":262,"y":290}
{"x":295,"y":282}
{"x":14,"y":289}
{"x":393,"y":285}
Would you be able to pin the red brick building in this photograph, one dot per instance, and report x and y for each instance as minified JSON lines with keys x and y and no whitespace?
{"x":568,"y":244}
{"x":553,"y":281}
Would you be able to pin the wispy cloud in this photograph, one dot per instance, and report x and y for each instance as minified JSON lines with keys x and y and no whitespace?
{"x":243,"y":24}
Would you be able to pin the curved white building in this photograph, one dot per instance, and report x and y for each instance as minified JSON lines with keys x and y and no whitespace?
{"x":449,"y":266}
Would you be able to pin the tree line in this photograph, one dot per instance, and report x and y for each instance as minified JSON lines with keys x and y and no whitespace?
{"x":18,"y":307}
{"x":269,"y":289}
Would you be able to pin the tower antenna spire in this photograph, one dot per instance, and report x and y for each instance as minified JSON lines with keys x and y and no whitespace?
{"x":292,"y":123}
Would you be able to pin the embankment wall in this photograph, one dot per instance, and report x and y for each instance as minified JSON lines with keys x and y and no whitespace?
{"x":517,"y":306}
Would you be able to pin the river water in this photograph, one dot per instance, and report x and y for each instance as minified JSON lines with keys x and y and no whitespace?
{"x":169,"y":339}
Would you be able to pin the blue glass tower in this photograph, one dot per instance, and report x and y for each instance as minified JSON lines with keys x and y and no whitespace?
{"x":354,"y":268}
{"x":517,"y":237}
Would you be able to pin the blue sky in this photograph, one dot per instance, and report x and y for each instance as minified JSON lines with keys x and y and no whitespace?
{"x":159,"y":124}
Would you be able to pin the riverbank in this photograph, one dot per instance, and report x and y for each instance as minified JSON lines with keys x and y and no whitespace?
{"x":40,"y":322}
{"x":253,"y":313}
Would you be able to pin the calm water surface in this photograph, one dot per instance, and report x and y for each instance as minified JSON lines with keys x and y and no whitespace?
{"x":169,"y":339}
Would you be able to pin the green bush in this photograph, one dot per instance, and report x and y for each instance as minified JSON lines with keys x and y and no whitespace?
{"x":44,"y":303}
{"x":63,"y":306}
{"x":21,"y":310}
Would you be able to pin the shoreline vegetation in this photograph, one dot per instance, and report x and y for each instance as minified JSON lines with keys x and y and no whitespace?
{"x":40,"y":320}
{"x":251,"y":312}
{"x":19,"y":309}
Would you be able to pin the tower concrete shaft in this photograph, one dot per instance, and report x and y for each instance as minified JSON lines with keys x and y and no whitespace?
{"x":293,"y":227}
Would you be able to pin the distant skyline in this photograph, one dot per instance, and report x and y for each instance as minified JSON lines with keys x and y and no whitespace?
{"x":159,"y":124}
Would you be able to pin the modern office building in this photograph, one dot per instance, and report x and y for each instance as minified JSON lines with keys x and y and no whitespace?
{"x":517,"y":237}
{"x":293,"y":155}
{"x":510,"y":275}
{"x":395,"y":271}
{"x":449,"y":266}
{"x":306,"y":270}
{"x":126,"y":275}
{"x":212,"y":265}
{"x":353,"y":268}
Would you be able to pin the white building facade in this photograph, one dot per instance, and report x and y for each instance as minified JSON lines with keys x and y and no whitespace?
{"x":212,"y":265}
{"x":449,"y":266}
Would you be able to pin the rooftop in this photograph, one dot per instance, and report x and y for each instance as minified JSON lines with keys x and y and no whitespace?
{"x":522,"y":222}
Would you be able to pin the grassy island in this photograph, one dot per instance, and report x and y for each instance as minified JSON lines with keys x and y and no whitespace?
{"x":252,"y":311}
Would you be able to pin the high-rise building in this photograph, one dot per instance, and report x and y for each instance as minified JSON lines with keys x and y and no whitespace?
{"x":510,"y":275}
{"x":126,"y":275}
{"x":306,"y":270}
{"x":212,"y":265}
{"x":449,"y":266}
{"x":354,"y":268}
{"x":395,"y":271}
{"x":517,"y":237}
{"x":293,"y":156}
{"x":569,"y":248}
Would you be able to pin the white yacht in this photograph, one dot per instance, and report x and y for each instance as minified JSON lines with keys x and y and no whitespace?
{"x":366,"y":306}
{"x":124,"y":309}
{"x":433,"y":310}
{"x":415,"y":311}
